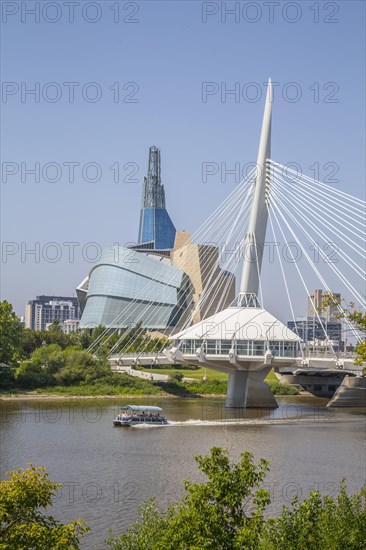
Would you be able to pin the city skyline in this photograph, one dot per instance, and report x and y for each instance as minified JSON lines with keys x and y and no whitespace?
{"x":183,"y":231}
{"x":217,"y":129}
{"x":43,"y":310}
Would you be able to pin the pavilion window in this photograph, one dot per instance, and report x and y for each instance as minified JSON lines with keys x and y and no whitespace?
{"x":275,"y":348}
{"x":196,"y":344}
{"x":187,"y":346}
{"x":243,"y":347}
{"x":289,"y":349}
{"x":225,"y":347}
{"x":258,"y":347}
{"x":211,"y":347}
{"x":183,"y":346}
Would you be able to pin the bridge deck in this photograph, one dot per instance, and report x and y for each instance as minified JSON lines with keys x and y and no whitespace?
{"x":311,"y":364}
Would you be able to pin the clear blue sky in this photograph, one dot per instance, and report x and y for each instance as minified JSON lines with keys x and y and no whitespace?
{"x":168,"y":52}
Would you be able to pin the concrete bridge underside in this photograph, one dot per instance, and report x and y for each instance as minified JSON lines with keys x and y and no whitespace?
{"x":320,"y":376}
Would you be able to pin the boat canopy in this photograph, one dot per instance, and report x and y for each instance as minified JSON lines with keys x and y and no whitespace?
{"x":140,"y":408}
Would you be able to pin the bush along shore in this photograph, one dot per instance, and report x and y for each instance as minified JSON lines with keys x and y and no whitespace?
{"x":72,"y":371}
{"x":56,"y":364}
{"x":227,"y":510}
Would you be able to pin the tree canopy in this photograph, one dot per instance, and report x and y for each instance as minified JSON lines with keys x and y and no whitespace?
{"x":355,"y":316}
{"x":10,"y":334}
{"x":23,"y":522}
{"x":226,"y":512}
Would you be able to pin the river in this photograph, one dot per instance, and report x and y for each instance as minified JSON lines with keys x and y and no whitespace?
{"x":108,"y":472}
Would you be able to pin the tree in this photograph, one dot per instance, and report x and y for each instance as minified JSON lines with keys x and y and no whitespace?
{"x":29,"y":375}
{"x":356,"y":317}
{"x":85,"y":339}
{"x":98,"y":331}
{"x":33,"y":339}
{"x":23,"y":524}
{"x":359,"y":320}
{"x":39,"y":371}
{"x":81,"y":366}
{"x":224,"y":513}
{"x":50,"y":357}
{"x":55,"y":326}
{"x":50,"y":365}
{"x":227,"y":513}
{"x":320,"y":523}
{"x":10,"y":331}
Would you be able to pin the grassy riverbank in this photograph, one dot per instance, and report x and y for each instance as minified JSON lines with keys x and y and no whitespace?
{"x":198,"y":373}
{"x":51,"y":364}
{"x":127,"y":387}
{"x":156,"y":389}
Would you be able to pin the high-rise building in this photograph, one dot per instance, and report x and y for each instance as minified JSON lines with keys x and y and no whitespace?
{"x":156,"y":229}
{"x":322,"y":324}
{"x":160,"y":280}
{"x":319,"y":304}
{"x":318,"y":331}
{"x":44,"y":309}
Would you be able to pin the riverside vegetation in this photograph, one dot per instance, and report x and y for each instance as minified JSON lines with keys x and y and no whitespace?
{"x":226,"y":512}
{"x":51,"y":362}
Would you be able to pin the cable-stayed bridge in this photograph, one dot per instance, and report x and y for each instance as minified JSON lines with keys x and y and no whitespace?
{"x":304,"y":233}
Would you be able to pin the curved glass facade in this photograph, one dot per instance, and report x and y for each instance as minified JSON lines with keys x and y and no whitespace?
{"x":150,"y":282}
{"x":126,"y":287}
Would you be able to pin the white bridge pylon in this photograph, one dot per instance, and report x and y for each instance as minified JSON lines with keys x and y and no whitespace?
{"x":245,"y":340}
{"x":237,"y":339}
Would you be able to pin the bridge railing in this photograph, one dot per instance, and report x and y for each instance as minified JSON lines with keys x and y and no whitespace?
{"x":330,"y":354}
{"x":307,"y":354}
{"x":137,"y":354}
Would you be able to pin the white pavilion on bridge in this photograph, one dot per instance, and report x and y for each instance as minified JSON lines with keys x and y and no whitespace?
{"x":245,"y":341}
{"x":244,"y":329}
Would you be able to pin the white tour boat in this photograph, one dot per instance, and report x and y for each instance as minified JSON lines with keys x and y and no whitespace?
{"x":133,"y":415}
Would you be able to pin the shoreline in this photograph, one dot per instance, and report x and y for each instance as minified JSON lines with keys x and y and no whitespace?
{"x":44,"y":397}
{"x":57,"y":397}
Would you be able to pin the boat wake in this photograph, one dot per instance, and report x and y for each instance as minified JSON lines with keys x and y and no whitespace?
{"x":234,"y":422}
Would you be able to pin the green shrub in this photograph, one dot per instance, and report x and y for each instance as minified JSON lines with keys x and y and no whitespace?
{"x":212,"y":515}
{"x":176,"y":376}
{"x":227,"y":512}
{"x":31,"y":376}
{"x":7,"y":377}
{"x":208,"y":387}
{"x":320,"y":523}
{"x":23,"y":520}
{"x":282,"y":389}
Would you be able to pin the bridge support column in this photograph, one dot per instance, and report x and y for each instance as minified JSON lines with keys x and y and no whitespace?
{"x":351,"y":393}
{"x":247,"y":389}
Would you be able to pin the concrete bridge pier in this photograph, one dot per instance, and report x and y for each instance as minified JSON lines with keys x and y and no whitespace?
{"x":247,"y":389}
{"x":351,"y":393}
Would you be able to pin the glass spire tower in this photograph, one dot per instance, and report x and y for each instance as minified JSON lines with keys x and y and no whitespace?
{"x":156,"y":229}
